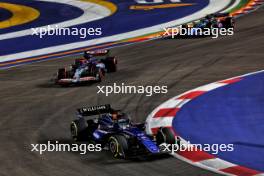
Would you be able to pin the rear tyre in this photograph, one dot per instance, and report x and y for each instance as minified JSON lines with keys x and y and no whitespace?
{"x":110,"y":64}
{"x":113,"y":65}
{"x":78,"y":130}
{"x":118,"y":146}
{"x":165,"y":135}
{"x":229,"y":22}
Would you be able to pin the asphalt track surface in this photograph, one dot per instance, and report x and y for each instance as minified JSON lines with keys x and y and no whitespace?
{"x":35,"y":111}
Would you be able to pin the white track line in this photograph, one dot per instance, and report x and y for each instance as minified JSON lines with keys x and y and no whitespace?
{"x":214,"y":6}
{"x":91,"y":11}
{"x":213,"y":164}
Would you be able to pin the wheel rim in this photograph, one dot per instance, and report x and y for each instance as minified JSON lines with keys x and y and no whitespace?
{"x":161,"y":137}
{"x":97,"y":76}
{"x":73,"y":131}
{"x":113,"y":147}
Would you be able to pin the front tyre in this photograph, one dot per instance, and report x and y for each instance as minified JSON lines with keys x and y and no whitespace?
{"x":61,"y":74}
{"x":99,"y":75}
{"x":118,"y":146}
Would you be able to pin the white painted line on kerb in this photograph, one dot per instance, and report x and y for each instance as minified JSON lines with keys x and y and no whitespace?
{"x":214,"y":6}
{"x":91,"y":11}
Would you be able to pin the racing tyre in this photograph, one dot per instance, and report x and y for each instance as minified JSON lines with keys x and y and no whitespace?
{"x":229,"y":22}
{"x":165,"y":135}
{"x":78,"y":130}
{"x":61,"y":73}
{"x":113,"y":65}
{"x":118,"y":146}
{"x":99,"y":75}
{"x":110,"y":64}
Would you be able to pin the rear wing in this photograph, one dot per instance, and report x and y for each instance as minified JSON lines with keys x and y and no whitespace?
{"x":217,"y":15}
{"x":95,"y":110}
{"x":222,"y":15}
{"x":97,"y":52}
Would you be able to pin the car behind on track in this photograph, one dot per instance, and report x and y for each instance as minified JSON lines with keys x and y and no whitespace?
{"x":91,"y":67}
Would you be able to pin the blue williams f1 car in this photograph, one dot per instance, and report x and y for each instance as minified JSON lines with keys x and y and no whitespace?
{"x":114,"y":130}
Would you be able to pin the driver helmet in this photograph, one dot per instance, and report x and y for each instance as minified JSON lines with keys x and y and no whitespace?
{"x":114,"y":115}
{"x":124,"y":123}
{"x":80,"y":62}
